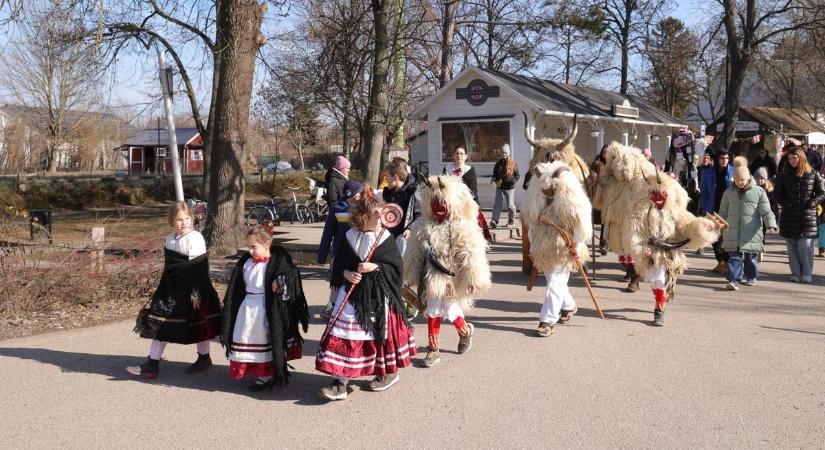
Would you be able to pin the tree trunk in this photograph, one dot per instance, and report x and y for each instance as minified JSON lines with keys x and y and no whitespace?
{"x":398,"y":75}
{"x":210,"y":120}
{"x":445,"y":72}
{"x":491,"y":29}
{"x":376,"y":133}
{"x":238,"y":28}
{"x":738,"y":70}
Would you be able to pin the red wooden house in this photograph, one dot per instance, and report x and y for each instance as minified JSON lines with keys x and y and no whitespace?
{"x":147,"y":152}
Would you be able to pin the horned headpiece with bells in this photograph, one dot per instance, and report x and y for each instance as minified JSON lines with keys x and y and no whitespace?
{"x":549,"y":147}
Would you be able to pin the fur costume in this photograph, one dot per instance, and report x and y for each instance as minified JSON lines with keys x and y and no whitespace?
{"x":556,"y":193}
{"x":550,"y":150}
{"x":455,"y":241}
{"x":640,"y":203}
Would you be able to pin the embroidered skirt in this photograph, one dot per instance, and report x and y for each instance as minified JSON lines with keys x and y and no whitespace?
{"x":350,"y":351}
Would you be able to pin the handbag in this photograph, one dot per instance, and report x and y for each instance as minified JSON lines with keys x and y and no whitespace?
{"x":144,"y":311}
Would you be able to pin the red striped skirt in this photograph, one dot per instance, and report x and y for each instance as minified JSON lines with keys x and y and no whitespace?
{"x":350,"y":358}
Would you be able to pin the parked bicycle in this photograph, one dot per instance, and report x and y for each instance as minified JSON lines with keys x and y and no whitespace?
{"x":199,"y":211}
{"x":317,"y":204}
{"x":294,"y":212}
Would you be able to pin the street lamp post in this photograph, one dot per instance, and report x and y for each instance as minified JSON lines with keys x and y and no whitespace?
{"x":165,"y":74}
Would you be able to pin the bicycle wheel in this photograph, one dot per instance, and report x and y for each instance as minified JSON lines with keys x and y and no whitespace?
{"x":258,"y":215}
{"x":303,"y":214}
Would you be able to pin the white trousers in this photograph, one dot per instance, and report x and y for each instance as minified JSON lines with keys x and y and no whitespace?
{"x":557,"y":297}
{"x":656,"y":277}
{"x":157,"y":347}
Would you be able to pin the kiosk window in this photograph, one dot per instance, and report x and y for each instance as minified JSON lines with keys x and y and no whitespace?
{"x":482,"y":140}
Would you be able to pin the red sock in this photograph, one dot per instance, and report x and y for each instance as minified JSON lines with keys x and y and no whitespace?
{"x":661,"y":298}
{"x":434,"y":326}
{"x":459,"y":323}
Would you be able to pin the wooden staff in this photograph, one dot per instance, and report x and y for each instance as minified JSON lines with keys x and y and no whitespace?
{"x":568,"y":241}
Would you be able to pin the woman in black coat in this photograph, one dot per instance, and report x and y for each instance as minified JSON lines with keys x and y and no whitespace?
{"x":798,"y":191}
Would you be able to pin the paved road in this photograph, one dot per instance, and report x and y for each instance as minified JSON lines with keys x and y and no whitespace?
{"x":730,"y":370}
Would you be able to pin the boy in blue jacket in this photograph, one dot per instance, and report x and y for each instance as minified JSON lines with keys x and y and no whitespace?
{"x":335,"y":229}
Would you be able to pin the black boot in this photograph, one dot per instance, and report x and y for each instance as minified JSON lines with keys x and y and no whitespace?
{"x":633,"y":286}
{"x":149,"y":369}
{"x":658,"y":317}
{"x":203,"y":362}
{"x":628,"y":273}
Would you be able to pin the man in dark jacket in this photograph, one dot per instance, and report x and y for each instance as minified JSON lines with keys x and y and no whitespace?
{"x":724,"y":178}
{"x":814,"y":159}
{"x":764,"y":160}
{"x":336,"y":178}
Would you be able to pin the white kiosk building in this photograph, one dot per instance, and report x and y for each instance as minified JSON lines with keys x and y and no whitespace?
{"x":480,"y":110}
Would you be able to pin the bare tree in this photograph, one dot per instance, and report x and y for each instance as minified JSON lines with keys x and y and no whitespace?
{"x":52,"y":72}
{"x":626,"y":24}
{"x":749,"y":25}
{"x":376,"y":132}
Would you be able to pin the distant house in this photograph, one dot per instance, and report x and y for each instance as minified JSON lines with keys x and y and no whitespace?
{"x":147,"y":152}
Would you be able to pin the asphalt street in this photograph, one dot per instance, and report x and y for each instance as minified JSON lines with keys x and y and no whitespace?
{"x":730,"y":370}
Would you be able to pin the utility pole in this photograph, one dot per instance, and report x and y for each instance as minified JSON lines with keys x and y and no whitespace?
{"x":172,"y":140}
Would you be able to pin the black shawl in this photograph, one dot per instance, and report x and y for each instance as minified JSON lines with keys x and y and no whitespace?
{"x":171,"y":316}
{"x":368,"y":298}
{"x":283,"y":316}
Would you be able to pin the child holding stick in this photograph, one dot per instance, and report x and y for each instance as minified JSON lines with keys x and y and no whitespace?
{"x":367,"y":335}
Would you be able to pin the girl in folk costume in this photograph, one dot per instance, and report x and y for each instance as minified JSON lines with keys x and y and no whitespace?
{"x":263,"y":307}
{"x":446,"y":259}
{"x":555,"y":194}
{"x":368,"y":334}
{"x":647,"y":217}
{"x":185,"y":308}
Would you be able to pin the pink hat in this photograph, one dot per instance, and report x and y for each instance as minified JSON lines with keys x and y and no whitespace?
{"x":342,"y":162}
{"x":647,"y":153}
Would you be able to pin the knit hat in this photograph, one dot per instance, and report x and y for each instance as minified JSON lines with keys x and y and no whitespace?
{"x":741,"y":173}
{"x":760,"y":174}
{"x":341,"y":162}
{"x":740,"y":161}
{"x":351,"y":187}
{"x":505,"y":149}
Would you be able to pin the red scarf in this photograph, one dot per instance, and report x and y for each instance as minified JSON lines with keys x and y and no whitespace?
{"x":259,"y":260}
{"x":440,"y":211}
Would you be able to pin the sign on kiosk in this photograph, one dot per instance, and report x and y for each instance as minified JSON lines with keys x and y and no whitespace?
{"x":815,"y":138}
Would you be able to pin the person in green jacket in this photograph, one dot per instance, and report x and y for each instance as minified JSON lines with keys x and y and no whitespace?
{"x":745,"y":206}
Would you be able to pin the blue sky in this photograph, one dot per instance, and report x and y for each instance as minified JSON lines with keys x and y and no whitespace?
{"x":133,"y":84}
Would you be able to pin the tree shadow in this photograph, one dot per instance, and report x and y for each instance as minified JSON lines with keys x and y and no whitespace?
{"x":792,"y":330}
{"x":302,"y":387}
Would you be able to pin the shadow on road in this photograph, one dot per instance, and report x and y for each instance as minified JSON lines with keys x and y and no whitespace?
{"x":792,"y":330}
{"x":302,"y":388}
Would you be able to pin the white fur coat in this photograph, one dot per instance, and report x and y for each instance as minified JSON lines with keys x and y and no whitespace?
{"x":567,"y":206}
{"x":457,"y":243}
{"x":623,"y":196}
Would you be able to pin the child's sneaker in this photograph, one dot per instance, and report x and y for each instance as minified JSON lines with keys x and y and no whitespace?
{"x":432,"y":358}
{"x":511,"y":223}
{"x":658,"y":317}
{"x":545,"y":329}
{"x":383,"y":383}
{"x":732,"y":286}
{"x":794,"y":279}
{"x":335,"y":391}
{"x":465,"y":341}
{"x":149,"y":369}
{"x":493,"y":224}
{"x":807,"y":279}
{"x":751,"y":282}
